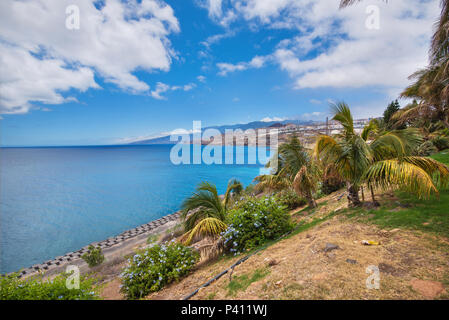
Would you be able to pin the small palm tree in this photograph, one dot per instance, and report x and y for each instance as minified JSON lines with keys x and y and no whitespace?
{"x":271,"y":183}
{"x":295,"y":168}
{"x":386,"y":161}
{"x":204,"y":212}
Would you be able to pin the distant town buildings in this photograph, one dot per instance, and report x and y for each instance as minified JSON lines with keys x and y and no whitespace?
{"x":328,"y":127}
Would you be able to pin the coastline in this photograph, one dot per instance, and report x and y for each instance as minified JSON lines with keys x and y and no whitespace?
{"x":112,"y":248}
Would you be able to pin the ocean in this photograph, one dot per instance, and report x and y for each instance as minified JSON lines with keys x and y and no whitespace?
{"x":58,"y":199}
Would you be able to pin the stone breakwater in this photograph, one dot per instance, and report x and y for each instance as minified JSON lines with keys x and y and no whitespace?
{"x":121,"y":244}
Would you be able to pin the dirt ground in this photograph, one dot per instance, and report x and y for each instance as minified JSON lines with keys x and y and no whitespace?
{"x":328,"y":261}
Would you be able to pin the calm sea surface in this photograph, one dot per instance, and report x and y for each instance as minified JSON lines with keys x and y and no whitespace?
{"x":56,"y":200}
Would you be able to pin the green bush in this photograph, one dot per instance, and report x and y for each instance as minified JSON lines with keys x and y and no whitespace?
{"x":441,"y":143}
{"x":426,"y":149}
{"x":14,"y":288}
{"x":253,"y":222}
{"x":151,"y":269}
{"x":93,"y":257}
{"x":289,"y":199}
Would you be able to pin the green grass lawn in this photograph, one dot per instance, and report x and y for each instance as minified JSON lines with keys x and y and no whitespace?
{"x":443,"y":156}
{"x":425,"y":215}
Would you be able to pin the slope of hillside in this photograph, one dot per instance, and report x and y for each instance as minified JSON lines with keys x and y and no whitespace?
{"x":325,"y":258}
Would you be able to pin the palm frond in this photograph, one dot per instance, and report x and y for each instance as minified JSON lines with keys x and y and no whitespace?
{"x":395,"y":173}
{"x":208,"y":227}
{"x":235,"y":187}
{"x":271,"y":182}
{"x":343,"y":115}
{"x":305,"y":182}
{"x":205,"y":202}
{"x":370,"y":129}
{"x":435,"y":169}
{"x":396,"y":144}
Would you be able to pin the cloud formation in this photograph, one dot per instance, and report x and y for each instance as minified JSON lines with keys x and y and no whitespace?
{"x":338,"y":48}
{"x":255,"y":63}
{"x":162,"y":87}
{"x":41,"y":59}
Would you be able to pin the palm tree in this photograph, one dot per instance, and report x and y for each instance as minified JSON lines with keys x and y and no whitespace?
{"x":386,"y":161}
{"x":234,"y":189}
{"x":204,"y":212}
{"x":271,"y":183}
{"x":431,"y":87}
{"x":439,"y":50}
{"x":295,"y":168}
{"x":432,"y":94}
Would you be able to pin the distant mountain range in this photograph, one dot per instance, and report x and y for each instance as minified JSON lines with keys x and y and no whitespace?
{"x":245,"y":126}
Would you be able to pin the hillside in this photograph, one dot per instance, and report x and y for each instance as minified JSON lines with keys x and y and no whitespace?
{"x":243,"y":127}
{"x":324,"y":257}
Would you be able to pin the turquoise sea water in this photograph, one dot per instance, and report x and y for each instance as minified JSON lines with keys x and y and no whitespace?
{"x":56,"y":200}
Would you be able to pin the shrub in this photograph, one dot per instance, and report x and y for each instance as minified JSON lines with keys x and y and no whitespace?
{"x":441,"y":143}
{"x":426,"y":149}
{"x":289,"y":199}
{"x":255,"y":221}
{"x":14,"y":288}
{"x":93,"y":257}
{"x":151,"y":269}
{"x":152,"y":238}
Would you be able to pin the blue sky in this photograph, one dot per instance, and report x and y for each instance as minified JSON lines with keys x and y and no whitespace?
{"x":137,"y":69}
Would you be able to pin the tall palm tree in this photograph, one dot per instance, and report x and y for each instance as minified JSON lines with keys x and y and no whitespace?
{"x":385,"y":161}
{"x":439,"y":50}
{"x":431,"y":87}
{"x":430,"y":91}
{"x":204,"y":212}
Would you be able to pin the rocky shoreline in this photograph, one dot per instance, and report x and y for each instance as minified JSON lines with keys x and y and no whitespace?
{"x":112,"y":247}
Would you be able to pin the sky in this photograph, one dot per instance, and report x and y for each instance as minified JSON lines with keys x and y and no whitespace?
{"x":83,"y":72}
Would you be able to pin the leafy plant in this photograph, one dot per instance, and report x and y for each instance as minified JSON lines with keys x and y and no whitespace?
{"x":241,"y":283}
{"x":204,"y":212}
{"x":14,"y":288}
{"x":441,"y":143}
{"x":426,"y":149}
{"x":294,"y":167}
{"x":151,"y":269}
{"x":152,"y":238}
{"x":253,"y":222}
{"x":385,"y":162}
{"x":289,"y":199}
{"x":93,"y":257}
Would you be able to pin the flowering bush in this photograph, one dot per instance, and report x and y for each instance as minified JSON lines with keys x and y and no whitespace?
{"x":255,"y":221}
{"x":13,"y":288}
{"x":150,"y":270}
{"x":290,"y":199}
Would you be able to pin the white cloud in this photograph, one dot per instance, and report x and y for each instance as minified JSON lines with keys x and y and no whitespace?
{"x":315,"y":101}
{"x":217,"y":38}
{"x":334,"y":48}
{"x":162,"y":88}
{"x":268,"y":119}
{"x":25,"y":78}
{"x":255,"y":63}
{"x":312,"y":116}
{"x":113,"y":41}
{"x":201,"y":78}
{"x":215,"y":8}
